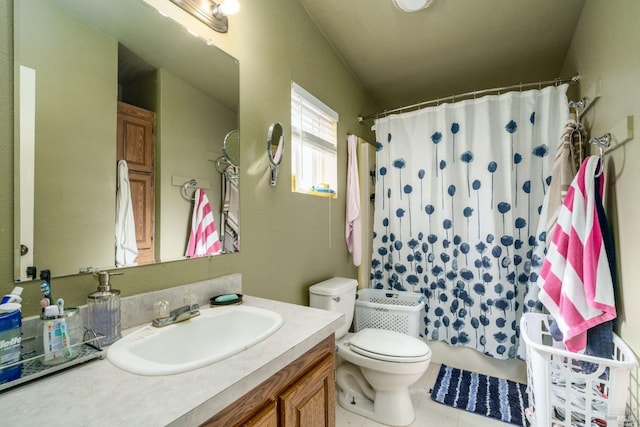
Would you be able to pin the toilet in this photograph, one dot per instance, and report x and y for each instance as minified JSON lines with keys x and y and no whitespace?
{"x":375,"y":366}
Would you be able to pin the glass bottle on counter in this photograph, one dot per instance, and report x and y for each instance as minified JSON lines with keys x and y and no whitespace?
{"x":104,"y":311}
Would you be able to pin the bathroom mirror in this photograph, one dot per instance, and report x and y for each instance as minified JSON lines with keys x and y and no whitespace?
{"x":80,"y":66}
{"x":275,"y":149}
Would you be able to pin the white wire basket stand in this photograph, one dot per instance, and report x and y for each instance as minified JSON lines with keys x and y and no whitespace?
{"x":572,"y":389}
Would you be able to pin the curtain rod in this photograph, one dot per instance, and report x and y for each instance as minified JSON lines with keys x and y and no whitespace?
{"x":556,"y":82}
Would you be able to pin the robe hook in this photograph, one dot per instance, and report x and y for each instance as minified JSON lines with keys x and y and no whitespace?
{"x":601,"y":142}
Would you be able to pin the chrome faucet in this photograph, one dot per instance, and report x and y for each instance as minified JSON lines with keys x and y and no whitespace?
{"x":180,"y":314}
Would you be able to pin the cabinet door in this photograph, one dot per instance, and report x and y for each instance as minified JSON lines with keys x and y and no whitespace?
{"x":267,"y":417}
{"x":310,"y":402}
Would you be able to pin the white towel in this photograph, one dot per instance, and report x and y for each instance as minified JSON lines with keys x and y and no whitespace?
{"x":203,"y":239}
{"x":352,"y":231}
{"x":561,"y":176}
{"x":126,"y":244}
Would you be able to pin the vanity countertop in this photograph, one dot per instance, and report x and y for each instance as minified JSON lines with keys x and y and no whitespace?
{"x":98,"y":394}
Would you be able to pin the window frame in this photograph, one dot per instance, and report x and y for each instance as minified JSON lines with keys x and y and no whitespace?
{"x":314,"y":141}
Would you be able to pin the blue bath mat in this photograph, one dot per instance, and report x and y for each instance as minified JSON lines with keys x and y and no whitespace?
{"x":492,"y":397}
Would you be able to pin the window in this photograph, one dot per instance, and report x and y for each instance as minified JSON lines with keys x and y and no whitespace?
{"x":314,"y":130}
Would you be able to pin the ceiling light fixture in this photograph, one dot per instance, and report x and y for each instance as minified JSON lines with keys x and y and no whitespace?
{"x":211,"y":13}
{"x":412,"y":5}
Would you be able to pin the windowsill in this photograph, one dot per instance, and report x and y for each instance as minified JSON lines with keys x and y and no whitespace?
{"x":322,"y":194}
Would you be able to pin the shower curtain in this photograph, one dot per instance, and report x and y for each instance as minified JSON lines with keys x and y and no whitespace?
{"x":459,"y":189}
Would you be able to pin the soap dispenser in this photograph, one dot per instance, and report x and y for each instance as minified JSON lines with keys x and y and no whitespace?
{"x":104,"y":310}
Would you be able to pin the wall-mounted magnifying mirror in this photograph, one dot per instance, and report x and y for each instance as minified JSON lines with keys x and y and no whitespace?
{"x":275,"y":148}
{"x":231,"y":148}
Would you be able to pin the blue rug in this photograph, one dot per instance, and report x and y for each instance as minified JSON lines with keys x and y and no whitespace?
{"x":492,"y":397}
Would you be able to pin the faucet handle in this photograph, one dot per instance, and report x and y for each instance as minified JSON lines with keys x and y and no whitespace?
{"x":161,"y":309}
{"x":190,"y":299}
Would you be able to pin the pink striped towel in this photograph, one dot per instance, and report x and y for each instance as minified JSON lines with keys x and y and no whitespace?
{"x":203,"y":239}
{"x":575,"y":281}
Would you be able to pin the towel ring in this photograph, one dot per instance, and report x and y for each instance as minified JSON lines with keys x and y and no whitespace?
{"x":189,"y":184}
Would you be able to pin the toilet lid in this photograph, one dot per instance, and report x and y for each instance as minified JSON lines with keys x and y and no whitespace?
{"x":389,"y":346}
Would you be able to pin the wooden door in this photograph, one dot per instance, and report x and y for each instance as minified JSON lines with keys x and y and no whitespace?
{"x":136,"y":145}
{"x":310,"y":402}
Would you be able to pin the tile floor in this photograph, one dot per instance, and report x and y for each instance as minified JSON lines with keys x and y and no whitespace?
{"x":428,"y":412}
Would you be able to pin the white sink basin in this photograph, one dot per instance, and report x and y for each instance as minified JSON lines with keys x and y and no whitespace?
{"x":216,"y":334}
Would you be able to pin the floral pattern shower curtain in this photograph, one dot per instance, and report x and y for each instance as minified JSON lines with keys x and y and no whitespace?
{"x":459,"y":189}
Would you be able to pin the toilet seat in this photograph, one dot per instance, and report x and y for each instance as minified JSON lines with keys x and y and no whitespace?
{"x":389,"y":346}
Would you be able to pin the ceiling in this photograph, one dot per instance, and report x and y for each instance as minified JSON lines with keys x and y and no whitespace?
{"x":452,"y":47}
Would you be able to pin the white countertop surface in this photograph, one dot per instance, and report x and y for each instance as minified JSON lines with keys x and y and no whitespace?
{"x":97,"y":393}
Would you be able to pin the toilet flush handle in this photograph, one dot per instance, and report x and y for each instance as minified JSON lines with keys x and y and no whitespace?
{"x":336,"y":299}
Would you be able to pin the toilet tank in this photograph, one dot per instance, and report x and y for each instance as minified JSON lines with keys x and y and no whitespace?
{"x":337,"y":294}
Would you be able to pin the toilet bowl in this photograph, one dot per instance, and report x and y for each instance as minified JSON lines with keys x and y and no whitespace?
{"x":373,"y":377}
{"x":375,"y":366}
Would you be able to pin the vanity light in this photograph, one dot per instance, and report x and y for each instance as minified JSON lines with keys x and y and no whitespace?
{"x":412,"y":5}
{"x":226,"y":8}
{"x":214,"y":15}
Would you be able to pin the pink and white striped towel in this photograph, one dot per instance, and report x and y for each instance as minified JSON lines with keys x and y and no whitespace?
{"x":575,"y":280}
{"x":203,"y":239}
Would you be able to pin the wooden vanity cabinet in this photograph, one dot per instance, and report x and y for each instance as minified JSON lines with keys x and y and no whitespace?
{"x":301,"y":394}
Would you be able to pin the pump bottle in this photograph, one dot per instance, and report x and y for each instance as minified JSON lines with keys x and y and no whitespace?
{"x":104,"y":310}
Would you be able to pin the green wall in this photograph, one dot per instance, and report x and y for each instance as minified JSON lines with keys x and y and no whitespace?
{"x":75,"y":133}
{"x":186,"y":118}
{"x":605,"y":49}
{"x":289,"y":241}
